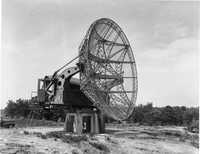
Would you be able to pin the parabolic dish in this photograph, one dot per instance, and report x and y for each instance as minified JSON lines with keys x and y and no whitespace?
{"x":108,"y":75}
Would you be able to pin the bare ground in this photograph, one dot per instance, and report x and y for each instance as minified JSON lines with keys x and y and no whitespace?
{"x":118,"y":139}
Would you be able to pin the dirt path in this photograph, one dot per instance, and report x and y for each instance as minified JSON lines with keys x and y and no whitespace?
{"x":126,"y":140}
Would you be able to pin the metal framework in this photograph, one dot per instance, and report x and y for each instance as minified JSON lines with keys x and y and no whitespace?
{"x":108,"y":75}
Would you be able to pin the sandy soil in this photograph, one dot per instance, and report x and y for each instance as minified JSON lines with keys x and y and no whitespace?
{"x":117,"y":140}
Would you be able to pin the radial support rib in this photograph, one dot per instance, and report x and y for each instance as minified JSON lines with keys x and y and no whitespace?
{"x":132,"y":91}
{"x":101,"y":60}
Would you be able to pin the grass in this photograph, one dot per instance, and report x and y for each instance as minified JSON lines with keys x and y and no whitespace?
{"x":100,"y":146}
{"x":68,"y":138}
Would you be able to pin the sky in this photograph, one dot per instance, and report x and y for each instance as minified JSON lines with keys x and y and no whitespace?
{"x":40,"y":36}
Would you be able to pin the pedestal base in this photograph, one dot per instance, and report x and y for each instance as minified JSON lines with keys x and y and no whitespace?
{"x":84,"y":121}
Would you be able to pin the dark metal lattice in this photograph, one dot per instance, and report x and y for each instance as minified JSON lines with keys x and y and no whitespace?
{"x":109,"y":77}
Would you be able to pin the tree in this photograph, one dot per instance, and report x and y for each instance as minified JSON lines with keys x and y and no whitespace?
{"x":190,"y":114}
{"x":10,"y":109}
{"x":168,"y":116}
{"x":18,"y":108}
{"x":23,"y":108}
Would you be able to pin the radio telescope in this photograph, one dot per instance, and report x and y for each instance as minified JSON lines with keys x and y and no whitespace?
{"x":108,"y":75}
{"x":107,"y":83}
